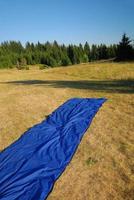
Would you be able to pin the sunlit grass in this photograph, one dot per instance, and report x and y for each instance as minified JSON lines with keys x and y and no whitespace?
{"x":103,"y":165}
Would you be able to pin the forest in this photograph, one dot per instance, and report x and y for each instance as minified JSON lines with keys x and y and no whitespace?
{"x":14,"y":54}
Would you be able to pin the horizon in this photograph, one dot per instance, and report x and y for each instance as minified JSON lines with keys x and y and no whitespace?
{"x":60,"y":44}
{"x":66,"y":22}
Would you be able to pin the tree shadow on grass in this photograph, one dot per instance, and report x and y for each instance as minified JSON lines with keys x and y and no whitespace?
{"x":112,"y":86}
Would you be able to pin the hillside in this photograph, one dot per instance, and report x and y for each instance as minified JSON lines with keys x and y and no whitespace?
{"x":103,"y":165}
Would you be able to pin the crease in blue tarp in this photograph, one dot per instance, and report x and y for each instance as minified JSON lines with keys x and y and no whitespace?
{"x":30,"y":166}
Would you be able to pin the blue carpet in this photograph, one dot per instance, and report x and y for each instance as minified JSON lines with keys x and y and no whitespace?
{"x":30,"y":166}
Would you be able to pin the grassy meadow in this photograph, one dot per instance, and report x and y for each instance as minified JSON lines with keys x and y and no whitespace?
{"x":103,"y":166}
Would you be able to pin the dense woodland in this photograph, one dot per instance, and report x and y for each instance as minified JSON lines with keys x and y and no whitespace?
{"x":14,"y":54}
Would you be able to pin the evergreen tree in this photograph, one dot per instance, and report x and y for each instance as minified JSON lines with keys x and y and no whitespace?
{"x":125,"y":49}
{"x":112,"y":51}
{"x":87,"y":51}
{"x":70,"y":52}
{"x":94,"y":53}
{"x":13,"y":53}
{"x":102,"y":52}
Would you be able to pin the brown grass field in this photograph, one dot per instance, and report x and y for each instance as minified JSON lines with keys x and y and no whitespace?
{"x":103,"y":165}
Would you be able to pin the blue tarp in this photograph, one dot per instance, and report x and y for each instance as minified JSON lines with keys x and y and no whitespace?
{"x":30,"y":166}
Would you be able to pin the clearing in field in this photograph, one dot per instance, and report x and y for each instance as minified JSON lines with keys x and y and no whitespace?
{"x":103,"y":166}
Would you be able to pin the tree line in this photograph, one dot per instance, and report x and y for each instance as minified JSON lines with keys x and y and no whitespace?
{"x":13,"y":53}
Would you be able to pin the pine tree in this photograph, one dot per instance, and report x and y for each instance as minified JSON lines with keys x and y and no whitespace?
{"x":87,"y":51}
{"x":125,"y":49}
{"x":102,"y":52}
{"x":94,"y":53}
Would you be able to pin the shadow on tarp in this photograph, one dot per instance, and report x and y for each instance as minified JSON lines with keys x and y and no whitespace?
{"x":112,"y":86}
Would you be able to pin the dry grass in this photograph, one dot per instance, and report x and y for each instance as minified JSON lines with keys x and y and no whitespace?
{"x":103,"y":166}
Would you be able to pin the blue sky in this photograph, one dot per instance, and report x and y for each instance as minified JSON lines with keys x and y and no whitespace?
{"x":67,"y":21}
